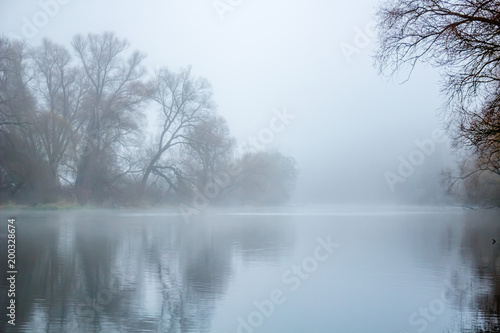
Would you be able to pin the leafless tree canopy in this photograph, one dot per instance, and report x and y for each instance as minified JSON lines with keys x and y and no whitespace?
{"x":459,"y":36}
{"x":184,"y":102}
{"x":462,"y":39}
{"x":72,"y":126}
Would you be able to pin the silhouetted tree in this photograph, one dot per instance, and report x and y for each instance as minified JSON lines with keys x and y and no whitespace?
{"x":72,"y":125}
{"x":462,"y":38}
{"x":184,"y":103}
{"x":59,"y":89}
{"x":24,"y":171}
{"x":210,"y":151}
{"x":112,"y":109}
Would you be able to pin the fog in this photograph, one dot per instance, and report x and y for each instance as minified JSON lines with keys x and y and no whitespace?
{"x":255,"y":171}
{"x":350,"y":124}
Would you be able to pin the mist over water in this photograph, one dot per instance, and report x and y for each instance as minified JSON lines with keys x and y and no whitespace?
{"x":150,"y":271}
{"x":240,"y":166}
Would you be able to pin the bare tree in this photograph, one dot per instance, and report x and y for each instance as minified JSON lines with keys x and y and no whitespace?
{"x":460,"y":36}
{"x":60,"y":89}
{"x":481,"y":134}
{"x":24,"y":173}
{"x":16,"y":101}
{"x":78,"y":119}
{"x":462,"y":39}
{"x":184,"y":103}
{"x":210,"y":152}
{"x":112,"y":108}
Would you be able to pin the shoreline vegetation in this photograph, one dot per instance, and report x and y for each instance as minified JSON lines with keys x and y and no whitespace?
{"x":89,"y":124}
{"x":75,"y":206}
{"x":465,"y":53}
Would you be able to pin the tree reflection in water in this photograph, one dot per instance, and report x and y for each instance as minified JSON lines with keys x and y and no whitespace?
{"x":483,"y":259}
{"x":99,"y":272}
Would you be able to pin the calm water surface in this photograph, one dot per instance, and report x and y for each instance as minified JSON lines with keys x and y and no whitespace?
{"x":317,"y":269}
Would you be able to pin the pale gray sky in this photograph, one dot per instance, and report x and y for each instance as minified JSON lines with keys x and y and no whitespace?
{"x":351,"y":124}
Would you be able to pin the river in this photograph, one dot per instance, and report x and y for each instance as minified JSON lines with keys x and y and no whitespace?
{"x":318,"y":269}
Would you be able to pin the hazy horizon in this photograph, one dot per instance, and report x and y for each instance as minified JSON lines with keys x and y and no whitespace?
{"x":351,"y":125}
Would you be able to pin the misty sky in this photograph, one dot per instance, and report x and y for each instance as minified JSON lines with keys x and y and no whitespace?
{"x":351,"y":124}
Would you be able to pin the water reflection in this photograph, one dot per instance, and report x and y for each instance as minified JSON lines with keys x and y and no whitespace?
{"x":120,"y":271}
{"x":482,"y":303}
{"x":100,"y":272}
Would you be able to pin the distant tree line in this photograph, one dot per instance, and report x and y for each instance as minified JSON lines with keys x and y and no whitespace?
{"x":462,"y":39}
{"x":73,"y":127}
